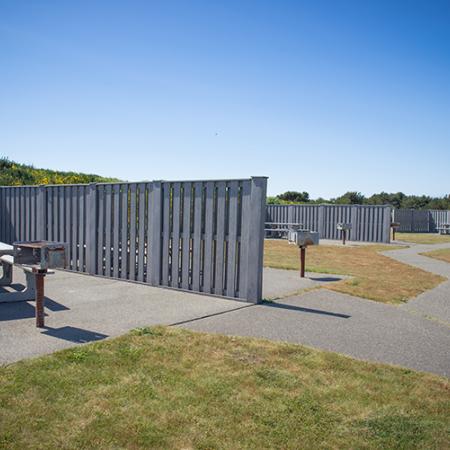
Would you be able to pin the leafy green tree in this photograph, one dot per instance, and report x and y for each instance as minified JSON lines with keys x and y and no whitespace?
{"x":350,"y":198}
{"x":294,"y":197}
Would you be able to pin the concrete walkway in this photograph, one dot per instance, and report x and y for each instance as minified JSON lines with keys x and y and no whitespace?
{"x":414,"y":335}
{"x":337,"y":322}
{"x":82,"y":309}
{"x":435,"y":303}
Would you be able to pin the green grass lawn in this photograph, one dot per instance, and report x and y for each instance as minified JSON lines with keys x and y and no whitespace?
{"x":374,"y":276}
{"x":168,"y":388}
{"x":442,"y":254}
{"x":423,"y":238}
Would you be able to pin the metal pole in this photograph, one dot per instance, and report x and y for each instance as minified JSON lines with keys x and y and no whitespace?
{"x":344,"y":235}
{"x":39,"y":277}
{"x":393,"y":234}
{"x":302,"y":261}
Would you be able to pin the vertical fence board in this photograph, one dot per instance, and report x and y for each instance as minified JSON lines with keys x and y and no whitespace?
{"x":176,"y":203}
{"x":197,"y":236}
{"x":186,"y":247}
{"x":220,"y":238}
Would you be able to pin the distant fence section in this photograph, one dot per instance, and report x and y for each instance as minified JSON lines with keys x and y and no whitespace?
{"x":421,"y":221}
{"x":201,"y":236}
{"x":369,"y":223}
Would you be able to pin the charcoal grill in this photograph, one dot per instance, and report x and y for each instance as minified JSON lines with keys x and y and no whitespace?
{"x":303,"y":239}
{"x":344,"y":228}
{"x":37,"y":258}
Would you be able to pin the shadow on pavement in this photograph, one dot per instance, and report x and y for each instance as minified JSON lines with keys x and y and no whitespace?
{"x":306,"y":310}
{"x":325,"y":279}
{"x":25,"y":310}
{"x":73,"y":334}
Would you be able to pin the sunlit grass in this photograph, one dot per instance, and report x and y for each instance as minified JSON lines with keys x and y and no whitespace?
{"x":374,"y":276}
{"x":442,"y":254}
{"x":168,"y":388}
{"x":423,"y":238}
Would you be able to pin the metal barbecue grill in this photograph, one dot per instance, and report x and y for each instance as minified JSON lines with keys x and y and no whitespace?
{"x":303,"y":239}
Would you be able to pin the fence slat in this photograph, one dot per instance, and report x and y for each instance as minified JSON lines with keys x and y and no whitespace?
{"x":197,"y":236}
{"x":209,"y":266}
{"x":186,"y":248}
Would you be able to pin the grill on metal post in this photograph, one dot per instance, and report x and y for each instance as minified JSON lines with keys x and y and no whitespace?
{"x":38,"y":257}
{"x":302,"y":238}
{"x":343,"y":228}
{"x":395,"y":226}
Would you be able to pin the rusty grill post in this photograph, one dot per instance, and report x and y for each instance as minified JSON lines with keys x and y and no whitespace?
{"x":302,"y":261}
{"x":344,"y":228}
{"x":39,"y":278}
{"x":37,"y":258}
{"x":394,"y":226}
{"x":302,"y":238}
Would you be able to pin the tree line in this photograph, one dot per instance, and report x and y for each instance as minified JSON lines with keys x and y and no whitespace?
{"x":397,"y":200}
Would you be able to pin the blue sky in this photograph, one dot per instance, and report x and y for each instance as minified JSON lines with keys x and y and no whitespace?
{"x":322,"y":96}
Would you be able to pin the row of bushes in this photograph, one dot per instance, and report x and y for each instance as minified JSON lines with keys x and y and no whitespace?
{"x":15,"y":174}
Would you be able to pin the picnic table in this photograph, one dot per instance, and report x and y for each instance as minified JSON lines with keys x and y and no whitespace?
{"x":277,"y":229}
{"x":444,"y":228}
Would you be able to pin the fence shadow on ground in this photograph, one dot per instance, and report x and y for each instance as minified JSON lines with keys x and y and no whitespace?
{"x":305,"y":310}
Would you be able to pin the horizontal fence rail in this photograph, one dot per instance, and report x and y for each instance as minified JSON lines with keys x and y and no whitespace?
{"x":421,"y":221}
{"x":369,"y":223}
{"x":201,"y":236}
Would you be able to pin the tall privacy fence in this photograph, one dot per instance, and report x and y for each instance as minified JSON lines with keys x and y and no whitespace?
{"x":369,"y":223}
{"x":202,"y":236}
{"x":421,"y":221}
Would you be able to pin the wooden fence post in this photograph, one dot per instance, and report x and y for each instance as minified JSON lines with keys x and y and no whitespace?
{"x":155,"y":230}
{"x":255,"y":244}
{"x":387,"y":224}
{"x":321,"y":222}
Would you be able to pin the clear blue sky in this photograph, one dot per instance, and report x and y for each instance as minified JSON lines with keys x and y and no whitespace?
{"x":322,"y":96}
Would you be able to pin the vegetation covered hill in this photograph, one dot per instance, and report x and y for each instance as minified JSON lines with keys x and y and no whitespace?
{"x":16,"y":174}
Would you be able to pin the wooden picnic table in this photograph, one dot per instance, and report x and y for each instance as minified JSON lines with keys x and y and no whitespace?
{"x":444,"y":228}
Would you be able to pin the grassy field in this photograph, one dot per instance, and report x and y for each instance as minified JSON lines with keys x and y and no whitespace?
{"x":423,"y":238}
{"x":375,"y":276}
{"x":169,"y":388}
{"x":442,"y":254}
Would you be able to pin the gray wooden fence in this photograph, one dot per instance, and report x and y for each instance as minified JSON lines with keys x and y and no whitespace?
{"x":370,"y":223}
{"x":201,"y":236}
{"x":420,"y":221}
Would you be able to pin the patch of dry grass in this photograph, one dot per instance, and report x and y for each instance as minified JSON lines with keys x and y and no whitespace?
{"x":375,"y":276}
{"x":165,"y":388}
{"x":442,"y":254}
{"x":423,"y":238}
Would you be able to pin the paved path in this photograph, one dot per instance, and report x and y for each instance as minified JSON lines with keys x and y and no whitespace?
{"x":435,"y":303}
{"x":82,"y":308}
{"x":357,"y":327}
